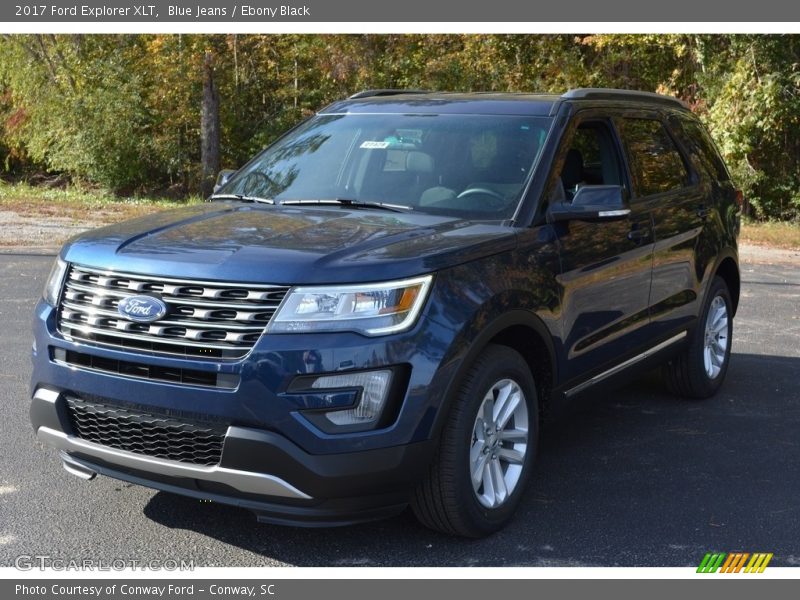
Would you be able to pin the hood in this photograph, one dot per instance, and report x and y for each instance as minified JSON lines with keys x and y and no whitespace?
{"x":287,"y":244}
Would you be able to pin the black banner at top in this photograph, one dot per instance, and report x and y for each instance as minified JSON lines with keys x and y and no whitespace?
{"x":260,"y":11}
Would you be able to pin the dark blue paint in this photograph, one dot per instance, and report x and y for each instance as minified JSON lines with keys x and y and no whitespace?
{"x":230,"y":241}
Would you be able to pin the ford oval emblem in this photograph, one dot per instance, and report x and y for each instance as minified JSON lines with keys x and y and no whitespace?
{"x":142,"y":309}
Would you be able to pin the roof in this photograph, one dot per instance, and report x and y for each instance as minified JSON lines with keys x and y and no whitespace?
{"x":499,"y":103}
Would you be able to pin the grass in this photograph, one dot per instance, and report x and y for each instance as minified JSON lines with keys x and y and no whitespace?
{"x":38,"y":216}
{"x":777,"y":234}
{"x":79,"y":205}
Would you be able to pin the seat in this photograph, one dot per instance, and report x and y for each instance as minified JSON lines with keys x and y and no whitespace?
{"x":420,"y":168}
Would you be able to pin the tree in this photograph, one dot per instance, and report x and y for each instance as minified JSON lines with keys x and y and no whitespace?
{"x":164,"y":112}
{"x":209,"y":127}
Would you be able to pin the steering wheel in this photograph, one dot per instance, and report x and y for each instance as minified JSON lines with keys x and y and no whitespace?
{"x":498,"y":201}
{"x":255,"y":181}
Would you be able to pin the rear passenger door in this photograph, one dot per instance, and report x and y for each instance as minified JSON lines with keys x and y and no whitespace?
{"x":664,"y":182}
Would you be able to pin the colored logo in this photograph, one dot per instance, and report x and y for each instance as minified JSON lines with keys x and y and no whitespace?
{"x":734,"y":562}
{"x":142,"y":309}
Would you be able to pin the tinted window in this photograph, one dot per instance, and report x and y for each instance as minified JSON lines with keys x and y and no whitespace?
{"x":592,"y":159}
{"x":587,"y":143}
{"x":700,"y":146}
{"x":656,"y":165}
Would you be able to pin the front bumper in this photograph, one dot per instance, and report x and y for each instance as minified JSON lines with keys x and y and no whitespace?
{"x":273,"y":458}
{"x":258,"y":470}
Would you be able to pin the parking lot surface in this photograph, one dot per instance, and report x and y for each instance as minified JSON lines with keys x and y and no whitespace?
{"x":633,"y":477}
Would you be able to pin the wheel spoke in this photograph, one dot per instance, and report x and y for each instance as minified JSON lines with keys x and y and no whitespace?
{"x":498,"y":477}
{"x":488,"y":409}
{"x":513,"y":435}
{"x":508,"y":409}
{"x":722,"y":325}
{"x":511,"y":456}
{"x":500,"y":403}
{"x":476,"y":451}
{"x":479,"y":431}
{"x":479,"y":471}
{"x":488,"y":484}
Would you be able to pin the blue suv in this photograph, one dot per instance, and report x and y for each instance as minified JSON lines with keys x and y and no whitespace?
{"x":381,"y":308}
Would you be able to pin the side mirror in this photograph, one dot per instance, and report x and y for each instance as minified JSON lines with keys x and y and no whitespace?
{"x":223,"y":178}
{"x":592,"y":203}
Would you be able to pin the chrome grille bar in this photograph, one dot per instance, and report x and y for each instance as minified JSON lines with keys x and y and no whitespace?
{"x":205,"y":318}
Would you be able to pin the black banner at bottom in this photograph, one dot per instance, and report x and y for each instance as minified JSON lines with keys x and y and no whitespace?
{"x":391,"y":589}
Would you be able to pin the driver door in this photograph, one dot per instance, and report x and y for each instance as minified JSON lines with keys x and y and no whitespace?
{"x":606,"y":267}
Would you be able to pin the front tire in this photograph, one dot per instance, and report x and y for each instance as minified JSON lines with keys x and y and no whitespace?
{"x":487,"y":447}
{"x":698,"y":372}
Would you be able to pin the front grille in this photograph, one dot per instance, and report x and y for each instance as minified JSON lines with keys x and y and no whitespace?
{"x":204,"y":319}
{"x":145,"y":433}
{"x":137,"y":370}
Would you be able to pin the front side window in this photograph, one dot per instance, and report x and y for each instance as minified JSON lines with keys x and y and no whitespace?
{"x":473,"y":166}
{"x":592,"y":159}
{"x":655,"y":162}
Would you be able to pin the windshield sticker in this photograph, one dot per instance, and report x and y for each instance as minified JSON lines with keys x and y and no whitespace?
{"x":375,"y":145}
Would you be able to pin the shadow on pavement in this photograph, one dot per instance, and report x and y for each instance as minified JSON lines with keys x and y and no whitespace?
{"x":632,"y":478}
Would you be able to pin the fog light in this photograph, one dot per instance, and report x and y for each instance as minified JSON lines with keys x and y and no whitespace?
{"x":374,"y":387}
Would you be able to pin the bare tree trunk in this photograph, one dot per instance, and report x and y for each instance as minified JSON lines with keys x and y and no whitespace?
{"x":209,"y":127}
{"x":295,"y":82}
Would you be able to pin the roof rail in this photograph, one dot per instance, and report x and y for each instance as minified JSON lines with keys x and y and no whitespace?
{"x":614,"y":94}
{"x":385,"y":92}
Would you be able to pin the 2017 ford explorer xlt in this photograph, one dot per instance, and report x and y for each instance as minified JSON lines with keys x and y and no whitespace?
{"x":380,"y":308}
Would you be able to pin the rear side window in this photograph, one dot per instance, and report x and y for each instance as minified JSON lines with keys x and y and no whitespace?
{"x":700,"y":146}
{"x":656,"y":164}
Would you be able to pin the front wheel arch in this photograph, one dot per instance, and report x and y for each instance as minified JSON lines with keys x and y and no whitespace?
{"x":522,"y":331}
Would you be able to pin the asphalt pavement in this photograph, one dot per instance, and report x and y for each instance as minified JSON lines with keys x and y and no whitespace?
{"x":633,"y":478}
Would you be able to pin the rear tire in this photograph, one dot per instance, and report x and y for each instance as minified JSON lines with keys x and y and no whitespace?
{"x":698,"y":372}
{"x":478,"y":475}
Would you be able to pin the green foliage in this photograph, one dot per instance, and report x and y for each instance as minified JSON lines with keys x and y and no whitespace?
{"x":124,"y":111}
{"x":755,"y":119}
{"x":80,"y":107}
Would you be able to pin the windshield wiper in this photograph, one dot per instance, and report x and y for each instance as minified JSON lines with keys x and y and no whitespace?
{"x":349,"y":202}
{"x":242,"y":198}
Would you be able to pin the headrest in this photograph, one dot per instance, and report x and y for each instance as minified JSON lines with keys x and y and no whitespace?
{"x":419,"y":162}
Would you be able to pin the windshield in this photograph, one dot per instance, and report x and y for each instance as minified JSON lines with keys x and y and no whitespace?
{"x":472,"y":166}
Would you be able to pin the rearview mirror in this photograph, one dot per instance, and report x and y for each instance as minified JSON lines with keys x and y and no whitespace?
{"x":592,"y":203}
{"x":222,"y":178}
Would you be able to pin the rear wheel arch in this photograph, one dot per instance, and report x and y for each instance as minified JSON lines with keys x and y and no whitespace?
{"x":728,"y":271}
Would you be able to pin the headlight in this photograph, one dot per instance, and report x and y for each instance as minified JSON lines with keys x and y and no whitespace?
{"x":371,"y":309}
{"x":52,"y":289}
